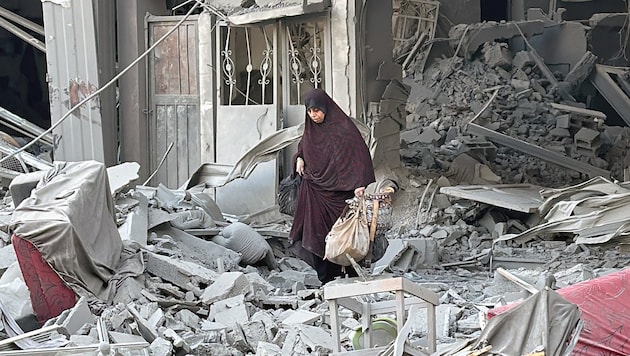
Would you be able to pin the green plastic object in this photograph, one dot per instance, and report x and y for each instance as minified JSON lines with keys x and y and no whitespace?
{"x":384,"y":331}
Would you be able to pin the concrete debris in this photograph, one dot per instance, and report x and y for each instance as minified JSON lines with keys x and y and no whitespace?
{"x":496,"y":141}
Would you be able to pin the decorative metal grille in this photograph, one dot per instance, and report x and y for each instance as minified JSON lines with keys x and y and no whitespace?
{"x":243,"y":47}
{"x":305,"y":55}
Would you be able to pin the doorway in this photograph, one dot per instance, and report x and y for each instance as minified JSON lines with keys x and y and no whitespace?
{"x":494,"y":10}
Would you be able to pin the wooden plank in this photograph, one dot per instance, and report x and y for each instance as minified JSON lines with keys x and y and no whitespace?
{"x":518,"y":197}
{"x":194,"y":143}
{"x":382,"y":307}
{"x":182,"y":144}
{"x":160,"y":145}
{"x":536,"y":151}
{"x":378,"y":286}
{"x":519,"y":282}
{"x":184,"y":58}
{"x":579,"y":111}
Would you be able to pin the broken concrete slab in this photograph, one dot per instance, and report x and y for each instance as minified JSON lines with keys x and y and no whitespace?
{"x":477,"y":34}
{"x":301,"y":317}
{"x":206,"y":253}
{"x":121,"y":175}
{"x":539,"y":152}
{"x":227,"y":285}
{"x":403,"y":255}
{"x":183,"y":274}
{"x":136,"y":225}
{"x":230,"y":311}
{"x":518,"y":197}
{"x":306,"y":339}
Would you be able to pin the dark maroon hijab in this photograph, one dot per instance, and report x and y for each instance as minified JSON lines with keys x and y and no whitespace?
{"x":337,"y":161}
{"x":335,"y":153}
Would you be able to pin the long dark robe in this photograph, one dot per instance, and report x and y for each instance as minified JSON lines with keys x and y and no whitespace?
{"x":336,"y":162}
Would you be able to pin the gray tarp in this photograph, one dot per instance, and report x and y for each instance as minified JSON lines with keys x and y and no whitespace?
{"x":545,"y":319}
{"x":69,"y":219}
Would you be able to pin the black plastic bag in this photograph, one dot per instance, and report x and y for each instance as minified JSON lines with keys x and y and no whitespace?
{"x":288,"y":194}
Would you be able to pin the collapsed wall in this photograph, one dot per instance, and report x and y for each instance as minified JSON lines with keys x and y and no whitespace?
{"x":534,"y":108}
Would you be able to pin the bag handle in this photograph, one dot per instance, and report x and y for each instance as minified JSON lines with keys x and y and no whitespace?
{"x":374,"y":216}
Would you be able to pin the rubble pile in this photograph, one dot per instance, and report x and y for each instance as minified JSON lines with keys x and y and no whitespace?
{"x":452,"y":92}
{"x":203,"y":283}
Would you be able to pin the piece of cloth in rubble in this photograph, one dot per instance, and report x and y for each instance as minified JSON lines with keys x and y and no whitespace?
{"x":336,"y":162}
{"x":244,"y":239}
{"x":69,"y":218}
{"x":544,"y":319}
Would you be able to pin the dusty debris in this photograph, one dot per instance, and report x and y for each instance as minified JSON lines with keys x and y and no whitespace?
{"x":494,"y":112}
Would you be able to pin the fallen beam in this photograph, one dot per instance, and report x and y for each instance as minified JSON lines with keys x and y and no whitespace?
{"x":536,"y":151}
{"x":603,"y":78}
{"x":23,"y":126}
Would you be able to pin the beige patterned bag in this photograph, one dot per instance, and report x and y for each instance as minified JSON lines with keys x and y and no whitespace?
{"x":349,"y":235}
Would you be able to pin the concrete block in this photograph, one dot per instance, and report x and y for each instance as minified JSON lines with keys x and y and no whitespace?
{"x":175,"y":339}
{"x":198,"y":250}
{"x":121,"y":175}
{"x":268,"y":349}
{"x":576,"y":274}
{"x":413,"y":253}
{"x":189,"y":318}
{"x":410,"y":136}
{"x":227,"y":285}
{"x":207,"y":325}
{"x":260,"y":286}
{"x":301,"y":317}
{"x":73,"y":319}
{"x":255,"y":332}
{"x":429,"y":135}
{"x":563,"y":121}
{"x":520,"y":85}
{"x":230,"y":311}
{"x":587,"y":138}
{"x":307,"y":340}
{"x":136,"y":225}
{"x":120,"y":338}
{"x":497,"y":55}
{"x":180,"y":273}
{"x":522,"y":59}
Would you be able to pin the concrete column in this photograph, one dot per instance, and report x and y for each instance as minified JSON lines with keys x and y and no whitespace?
{"x":132,"y":86}
{"x":206,"y":87}
{"x":105,"y":15}
{"x":343,"y":36}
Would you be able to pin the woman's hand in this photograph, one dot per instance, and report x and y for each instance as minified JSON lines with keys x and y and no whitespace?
{"x":299,"y":166}
{"x":359,"y":191}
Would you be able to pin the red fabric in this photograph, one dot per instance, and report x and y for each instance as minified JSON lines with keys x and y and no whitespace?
{"x":49,"y":294}
{"x":605,"y":306}
{"x":336,"y":161}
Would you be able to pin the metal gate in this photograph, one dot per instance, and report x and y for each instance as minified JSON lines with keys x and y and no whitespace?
{"x":246,"y":112}
{"x":174,"y":100}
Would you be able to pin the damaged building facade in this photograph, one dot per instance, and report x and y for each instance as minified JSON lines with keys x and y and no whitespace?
{"x":503,"y":123}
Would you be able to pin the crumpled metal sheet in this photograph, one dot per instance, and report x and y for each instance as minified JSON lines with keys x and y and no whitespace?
{"x":595,"y":210}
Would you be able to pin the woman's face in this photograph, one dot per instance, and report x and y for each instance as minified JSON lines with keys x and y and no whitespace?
{"x":316,"y":115}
